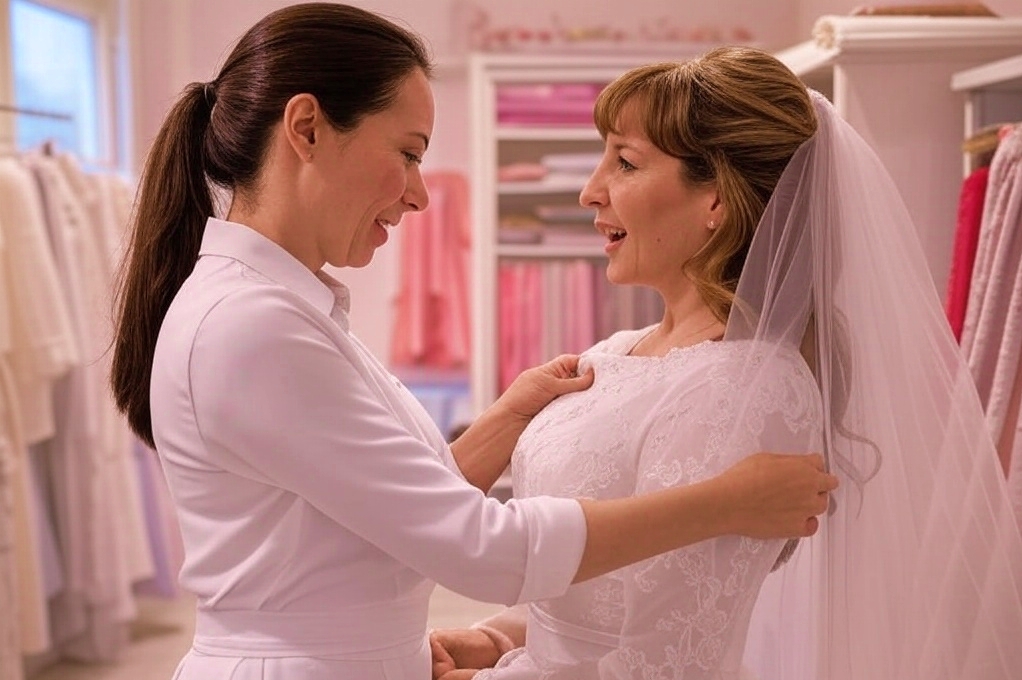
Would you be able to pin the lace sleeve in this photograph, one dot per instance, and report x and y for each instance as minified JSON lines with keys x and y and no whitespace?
{"x":686,"y":612}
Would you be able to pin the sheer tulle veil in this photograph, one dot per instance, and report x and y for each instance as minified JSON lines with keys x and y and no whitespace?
{"x":916,"y":574}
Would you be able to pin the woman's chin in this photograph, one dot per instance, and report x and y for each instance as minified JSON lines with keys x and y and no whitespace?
{"x":362,"y":259}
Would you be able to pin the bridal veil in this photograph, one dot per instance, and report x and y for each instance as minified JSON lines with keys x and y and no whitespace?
{"x":916,"y":574}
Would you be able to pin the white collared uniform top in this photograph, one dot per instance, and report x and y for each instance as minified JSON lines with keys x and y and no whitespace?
{"x":317,"y":501}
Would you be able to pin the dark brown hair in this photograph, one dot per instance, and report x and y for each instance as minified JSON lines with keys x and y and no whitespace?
{"x":734,"y":117}
{"x":351,"y":60}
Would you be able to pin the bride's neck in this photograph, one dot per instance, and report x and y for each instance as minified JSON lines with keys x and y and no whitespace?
{"x":687,"y":320}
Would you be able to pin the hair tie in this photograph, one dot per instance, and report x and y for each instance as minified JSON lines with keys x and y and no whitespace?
{"x":209,"y":90}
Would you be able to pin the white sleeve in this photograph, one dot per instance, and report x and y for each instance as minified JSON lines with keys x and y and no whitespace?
{"x":685,"y":609}
{"x":277,"y":400}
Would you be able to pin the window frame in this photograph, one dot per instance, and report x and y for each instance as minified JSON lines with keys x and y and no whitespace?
{"x":112,"y":82}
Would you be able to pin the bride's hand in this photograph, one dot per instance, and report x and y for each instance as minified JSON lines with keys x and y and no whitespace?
{"x":462,"y":674}
{"x":536,"y":387}
{"x":778,"y":496}
{"x":457,"y":651}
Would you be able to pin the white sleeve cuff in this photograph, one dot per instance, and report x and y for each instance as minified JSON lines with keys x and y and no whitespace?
{"x":557,"y":537}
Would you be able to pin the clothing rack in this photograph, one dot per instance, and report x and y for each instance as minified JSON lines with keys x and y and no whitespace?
{"x":6,"y":108}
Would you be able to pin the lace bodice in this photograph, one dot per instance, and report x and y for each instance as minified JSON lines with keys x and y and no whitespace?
{"x":649,"y":423}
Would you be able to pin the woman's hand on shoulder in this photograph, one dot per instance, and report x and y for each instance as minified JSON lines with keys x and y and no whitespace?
{"x":536,"y":387}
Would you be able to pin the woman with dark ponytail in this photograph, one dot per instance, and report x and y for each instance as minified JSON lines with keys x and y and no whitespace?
{"x":317,"y":501}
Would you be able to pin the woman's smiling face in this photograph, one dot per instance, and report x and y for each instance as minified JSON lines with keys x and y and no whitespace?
{"x":372,"y":176}
{"x":655,"y":221}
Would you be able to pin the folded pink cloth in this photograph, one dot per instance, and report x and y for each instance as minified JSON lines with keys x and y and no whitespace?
{"x":521,"y":172}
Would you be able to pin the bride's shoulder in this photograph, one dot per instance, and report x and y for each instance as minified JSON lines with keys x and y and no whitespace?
{"x":748,"y":361}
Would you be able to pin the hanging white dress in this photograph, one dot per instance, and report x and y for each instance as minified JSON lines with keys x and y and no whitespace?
{"x":41,"y":351}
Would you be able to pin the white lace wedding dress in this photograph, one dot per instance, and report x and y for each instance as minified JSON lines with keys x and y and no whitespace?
{"x":649,"y":423}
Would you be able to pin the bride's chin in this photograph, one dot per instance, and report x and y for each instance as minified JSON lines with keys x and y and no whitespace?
{"x":617,"y":277}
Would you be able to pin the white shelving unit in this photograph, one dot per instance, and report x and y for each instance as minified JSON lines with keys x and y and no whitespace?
{"x":993,"y":94}
{"x":888,"y":77}
{"x":494,"y":144}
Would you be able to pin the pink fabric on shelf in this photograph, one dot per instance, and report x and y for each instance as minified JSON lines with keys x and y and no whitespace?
{"x":547,"y":92}
{"x":547,"y":104}
{"x":510,"y":299}
{"x":432,"y":322}
{"x":522,"y":325}
{"x":583,"y":312}
{"x":552,"y":118}
{"x":970,"y":217}
{"x":534,"y":328}
{"x":521,"y":172}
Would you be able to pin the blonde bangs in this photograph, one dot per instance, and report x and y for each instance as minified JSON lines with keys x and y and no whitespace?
{"x":637,"y":86}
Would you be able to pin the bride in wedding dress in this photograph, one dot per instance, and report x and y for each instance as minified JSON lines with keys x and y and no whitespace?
{"x":800,"y":315}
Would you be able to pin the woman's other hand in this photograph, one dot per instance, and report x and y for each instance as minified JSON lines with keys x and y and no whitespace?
{"x":778,"y":495}
{"x":458,"y":653}
{"x":536,"y":387}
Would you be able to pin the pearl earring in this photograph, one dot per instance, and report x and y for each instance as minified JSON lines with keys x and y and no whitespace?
{"x":712,"y":225}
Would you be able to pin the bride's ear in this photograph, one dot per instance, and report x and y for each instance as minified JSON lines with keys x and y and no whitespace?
{"x":717,"y":214}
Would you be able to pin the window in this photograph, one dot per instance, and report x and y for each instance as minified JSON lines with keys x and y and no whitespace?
{"x":60,"y":74}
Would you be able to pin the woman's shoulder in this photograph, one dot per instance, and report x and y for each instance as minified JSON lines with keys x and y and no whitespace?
{"x":229,"y":308}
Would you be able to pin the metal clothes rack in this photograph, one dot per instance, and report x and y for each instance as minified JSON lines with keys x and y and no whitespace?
{"x":6,"y":108}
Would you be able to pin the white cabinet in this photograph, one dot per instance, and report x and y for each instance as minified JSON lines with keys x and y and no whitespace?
{"x":888,"y":77}
{"x":993,"y":94}
{"x":495,"y":144}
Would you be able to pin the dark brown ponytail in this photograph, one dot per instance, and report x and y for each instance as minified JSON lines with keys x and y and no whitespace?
{"x":173,"y":203}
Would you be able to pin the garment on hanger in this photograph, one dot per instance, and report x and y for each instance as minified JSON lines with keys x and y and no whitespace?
{"x":73,"y":536}
{"x":963,"y":255}
{"x":992,"y":332}
{"x":432,"y":323}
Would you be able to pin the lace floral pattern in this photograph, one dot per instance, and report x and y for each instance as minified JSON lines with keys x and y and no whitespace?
{"x":647,"y":424}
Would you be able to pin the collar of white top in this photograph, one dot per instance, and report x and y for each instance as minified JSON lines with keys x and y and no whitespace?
{"x":246,"y":245}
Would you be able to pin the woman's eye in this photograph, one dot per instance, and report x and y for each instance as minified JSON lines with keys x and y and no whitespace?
{"x":624,"y":165}
{"x":412,"y":158}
